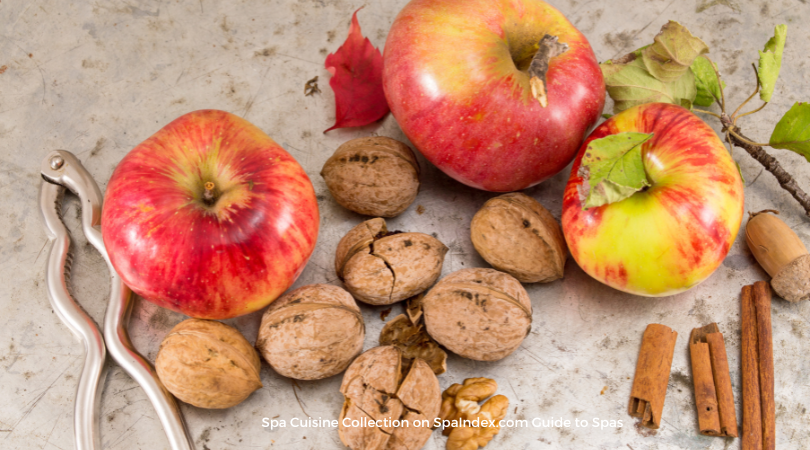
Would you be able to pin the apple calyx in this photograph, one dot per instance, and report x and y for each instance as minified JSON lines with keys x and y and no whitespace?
{"x":612,"y":169}
{"x":209,"y":197}
{"x":549,"y":47}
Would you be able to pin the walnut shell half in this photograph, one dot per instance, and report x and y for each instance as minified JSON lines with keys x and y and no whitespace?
{"x":480,"y":314}
{"x":208,"y":364}
{"x":517,"y":235}
{"x":374,"y":390}
{"x":312,"y":332}
{"x":381,"y":268}
{"x":375,"y":176}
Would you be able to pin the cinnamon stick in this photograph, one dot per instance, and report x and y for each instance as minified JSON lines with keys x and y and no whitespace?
{"x":652,"y":374}
{"x":762,"y":305}
{"x":752,"y":418}
{"x":722,"y":383}
{"x":710,"y":374}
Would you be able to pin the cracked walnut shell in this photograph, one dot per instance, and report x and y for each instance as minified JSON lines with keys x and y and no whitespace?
{"x":375,"y":176}
{"x":208,"y":364}
{"x":312,"y":332}
{"x":380,"y":268}
{"x":481,"y":314}
{"x":378,"y":402}
{"x":517,"y":235}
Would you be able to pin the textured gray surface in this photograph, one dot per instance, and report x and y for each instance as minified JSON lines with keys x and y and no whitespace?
{"x":96,"y":78}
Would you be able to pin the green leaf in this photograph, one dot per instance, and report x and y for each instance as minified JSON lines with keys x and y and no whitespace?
{"x":770,"y":61}
{"x":673,"y":51}
{"x":708,"y":90}
{"x":607,"y":116}
{"x":792,"y":132}
{"x":613,"y":168}
{"x":630,"y":84}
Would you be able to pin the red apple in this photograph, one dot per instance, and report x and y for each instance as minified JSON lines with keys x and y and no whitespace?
{"x":209,"y":217}
{"x":671,"y":236}
{"x":456,"y":77}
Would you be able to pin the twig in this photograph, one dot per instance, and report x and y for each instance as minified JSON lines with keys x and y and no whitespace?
{"x":736,"y":138}
{"x":752,"y":112}
{"x":734,"y":114}
{"x":705,"y":112}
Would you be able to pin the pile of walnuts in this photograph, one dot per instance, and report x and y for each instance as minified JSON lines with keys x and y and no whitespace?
{"x":392,"y":398}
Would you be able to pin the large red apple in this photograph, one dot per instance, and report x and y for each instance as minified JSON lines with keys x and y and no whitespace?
{"x":456,"y":76}
{"x":673,"y":234}
{"x":209,"y":217}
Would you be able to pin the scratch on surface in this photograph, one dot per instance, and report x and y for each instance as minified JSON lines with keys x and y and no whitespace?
{"x":537,"y":358}
{"x":121,"y":436}
{"x":37,"y":400}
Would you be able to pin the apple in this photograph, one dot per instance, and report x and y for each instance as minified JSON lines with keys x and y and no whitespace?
{"x":209,"y":217}
{"x":672,"y":235}
{"x":456,"y":76}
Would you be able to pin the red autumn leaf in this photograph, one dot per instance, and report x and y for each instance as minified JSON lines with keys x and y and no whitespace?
{"x":356,"y":69}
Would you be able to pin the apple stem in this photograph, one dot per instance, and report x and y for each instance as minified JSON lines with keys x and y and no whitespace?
{"x":548,"y":48}
{"x":208,"y":195}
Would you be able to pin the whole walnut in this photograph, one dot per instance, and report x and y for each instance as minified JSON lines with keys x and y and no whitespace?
{"x":374,"y":389}
{"x":312,"y":332}
{"x":517,"y":235}
{"x":381,"y":268}
{"x":481,"y":314}
{"x":375,"y":176}
{"x":208,"y":364}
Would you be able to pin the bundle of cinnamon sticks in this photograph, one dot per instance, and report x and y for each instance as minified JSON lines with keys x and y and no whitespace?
{"x":710,"y":372}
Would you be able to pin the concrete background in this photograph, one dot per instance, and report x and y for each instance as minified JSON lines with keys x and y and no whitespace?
{"x":97,"y":78}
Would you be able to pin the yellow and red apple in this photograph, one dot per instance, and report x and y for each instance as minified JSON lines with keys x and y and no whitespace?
{"x":456,"y":76}
{"x":673,"y":234}
{"x":209,"y":217}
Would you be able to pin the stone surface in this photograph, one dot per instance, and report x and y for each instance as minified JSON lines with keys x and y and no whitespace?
{"x":97,"y":78}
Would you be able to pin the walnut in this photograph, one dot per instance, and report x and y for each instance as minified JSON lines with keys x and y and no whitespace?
{"x":414,"y":342}
{"x":515,"y":234}
{"x":374,"y":390}
{"x":381,"y":268}
{"x":375,"y":176}
{"x":480,"y":314}
{"x":312,"y":332}
{"x":460,"y":404}
{"x":208,"y":364}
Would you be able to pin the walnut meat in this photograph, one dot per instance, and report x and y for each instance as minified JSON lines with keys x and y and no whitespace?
{"x":413,"y":341}
{"x":312,"y":332}
{"x":375,"y":176}
{"x":517,"y":235}
{"x":460,"y":404}
{"x":480,"y":314}
{"x":381,"y":268}
{"x":378,"y":401}
{"x":208,"y":364}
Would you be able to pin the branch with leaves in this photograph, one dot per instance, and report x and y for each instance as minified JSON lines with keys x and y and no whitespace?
{"x":674,"y":69}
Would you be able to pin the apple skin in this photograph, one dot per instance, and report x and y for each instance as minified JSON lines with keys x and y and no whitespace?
{"x":209,"y":262}
{"x":452,"y":85}
{"x":670,"y":237}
